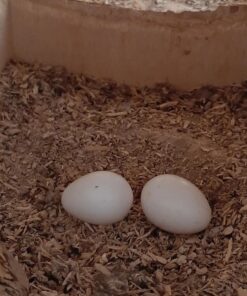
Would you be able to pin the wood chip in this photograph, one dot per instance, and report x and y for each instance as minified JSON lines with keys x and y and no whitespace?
{"x":244,"y":236}
{"x":186,"y":124}
{"x":242,"y":292}
{"x":168,"y":290}
{"x":243,"y":209}
{"x":202,"y":271}
{"x":229,"y":250}
{"x":228,"y":230}
{"x":13,"y":131}
{"x":116,"y":114}
{"x":102,"y":269}
{"x":181,"y":260}
{"x":157,"y":258}
{"x":13,"y":280}
{"x":45,"y":293}
{"x":159,"y":275}
{"x":168,"y":105}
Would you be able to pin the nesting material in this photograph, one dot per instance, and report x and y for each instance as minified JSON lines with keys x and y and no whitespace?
{"x":176,"y":6}
{"x":13,"y":280}
{"x":56,"y":126}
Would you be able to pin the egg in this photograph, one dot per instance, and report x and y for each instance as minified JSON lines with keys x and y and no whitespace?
{"x":101,"y":198}
{"x":175,"y":205}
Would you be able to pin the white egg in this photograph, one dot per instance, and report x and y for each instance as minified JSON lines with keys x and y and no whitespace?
{"x":98,"y":198}
{"x":175,"y":205}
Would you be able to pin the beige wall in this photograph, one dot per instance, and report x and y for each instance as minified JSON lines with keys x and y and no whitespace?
{"x":187,"y":50}
{"x":4,"y":33}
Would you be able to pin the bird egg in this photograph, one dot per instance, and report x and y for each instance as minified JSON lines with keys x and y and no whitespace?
{"x":175,"y":205}
{"x":101,"y":197}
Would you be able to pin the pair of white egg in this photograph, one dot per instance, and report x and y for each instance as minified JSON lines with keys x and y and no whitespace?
{"x":170,"y":202}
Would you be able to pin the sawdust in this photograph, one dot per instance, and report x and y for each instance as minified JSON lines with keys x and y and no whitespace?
{"x":56,"y":126}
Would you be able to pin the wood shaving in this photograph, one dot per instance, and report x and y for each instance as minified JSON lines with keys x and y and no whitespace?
{"x":242,"y":292}
{"x":66,"y":125}
{"x":13,"y":280}
{"x":228,"y":230}
{"x":229,"y":251}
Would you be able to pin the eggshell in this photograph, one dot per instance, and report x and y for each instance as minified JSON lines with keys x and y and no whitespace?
{"x":175,"y":205}
{"x":98,"y":198}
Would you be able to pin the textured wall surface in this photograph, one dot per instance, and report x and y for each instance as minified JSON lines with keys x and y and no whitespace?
{"x":135,"y":47}
{"x":4,"y":33}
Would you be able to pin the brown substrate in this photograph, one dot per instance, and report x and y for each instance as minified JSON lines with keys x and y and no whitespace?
{"x":56,"y":126}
